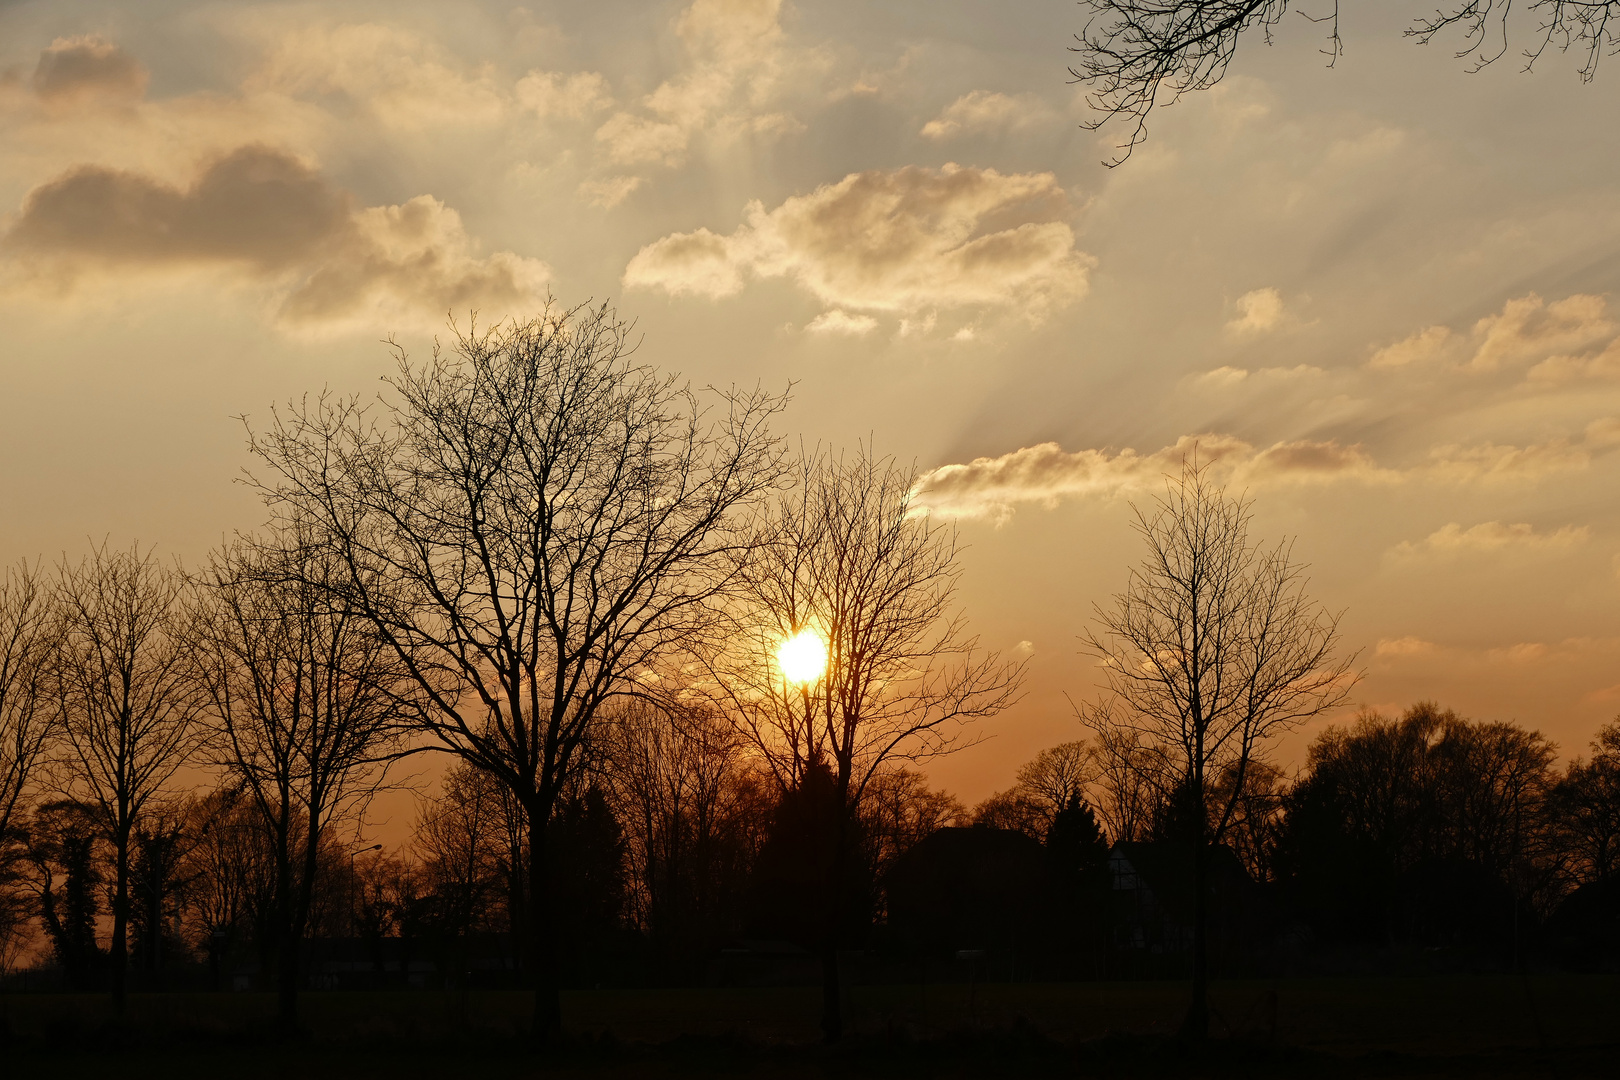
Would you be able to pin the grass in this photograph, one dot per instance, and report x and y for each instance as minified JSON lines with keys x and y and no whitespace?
{"x":1564,"y":1025}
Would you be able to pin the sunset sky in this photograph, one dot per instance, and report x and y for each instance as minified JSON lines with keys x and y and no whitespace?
{"x":1383,"y":297}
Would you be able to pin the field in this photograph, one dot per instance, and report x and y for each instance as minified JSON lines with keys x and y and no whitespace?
{"x":1479,"y":1025}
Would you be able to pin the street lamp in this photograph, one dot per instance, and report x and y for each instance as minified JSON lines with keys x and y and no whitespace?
{"x":353,"y":882}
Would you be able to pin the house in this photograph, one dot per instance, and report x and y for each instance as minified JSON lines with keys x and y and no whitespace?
{"x":1151,"y":905}
{"x":968,"y":889}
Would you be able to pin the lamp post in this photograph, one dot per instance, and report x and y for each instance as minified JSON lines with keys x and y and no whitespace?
{"x":353,"y":882}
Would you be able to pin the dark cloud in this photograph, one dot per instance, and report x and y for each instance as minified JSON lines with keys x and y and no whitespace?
{"x":73,"y":69}
{"x":275,"y":217}
{"x":256,"y":206}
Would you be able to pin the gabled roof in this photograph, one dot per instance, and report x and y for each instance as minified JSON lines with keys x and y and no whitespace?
{"x":1166,"y":870}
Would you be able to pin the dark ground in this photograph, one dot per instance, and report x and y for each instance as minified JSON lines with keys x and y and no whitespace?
{"x":1563,"y":1026}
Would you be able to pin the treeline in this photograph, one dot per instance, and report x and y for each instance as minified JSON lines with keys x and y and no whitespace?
{"x":1419,"y":832}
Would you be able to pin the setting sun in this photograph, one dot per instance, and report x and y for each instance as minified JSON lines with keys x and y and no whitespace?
{"x":802,"y":657}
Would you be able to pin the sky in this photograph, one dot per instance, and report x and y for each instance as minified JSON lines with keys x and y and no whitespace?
{"x":1381,"y":296}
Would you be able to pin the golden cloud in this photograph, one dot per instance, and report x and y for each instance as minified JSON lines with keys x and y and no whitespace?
{"x":1046,"y":474}
{"x":738,"y":60}
{"x":902,"y":240}
{"x":1556,"y":341}
{"x":984,"y":111}
{"x":1259,"y":310}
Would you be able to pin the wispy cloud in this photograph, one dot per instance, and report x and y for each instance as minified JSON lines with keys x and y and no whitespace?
{"x":1046,"y":474}
{"x":992,"y":487}
{"x":841,"y":322}
{"x":985,"y":111}
{"x":1393,"y":648}
{"x":1488,"y":536}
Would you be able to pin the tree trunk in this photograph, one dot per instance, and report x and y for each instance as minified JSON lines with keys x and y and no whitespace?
{"x":541,"y":959}
{"x":117,"y":957}
{"x":287,"y":984}
{"x":1196,"y":1027}
{"x":832,"y":1013}
{"x":294,"y":918}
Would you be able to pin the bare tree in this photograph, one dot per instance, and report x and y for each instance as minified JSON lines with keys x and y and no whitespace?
{"x":900,"y":811}
{"x":126,"y":699}
{"x":1587,"y":802}
{"x":1212,"y":651}
{"x":682,"y":786}
{"x":845,"y":564}
{"x":1132,"y":776}
{"x":460,"y":841}
{"x":228,"y":881}
{"x":307,"y":703}
{"x":25,"y":728}
{"x":1041,"y":789}
{"x":551,"y":522}
{"x":1133,"y":52}
{"x":25,"y":712}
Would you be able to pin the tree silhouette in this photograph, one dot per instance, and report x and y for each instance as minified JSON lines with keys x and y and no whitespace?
{"x":843,"y":556}
{"x":1132,"y":52}
{"x":306,"y":703}
{"x":534,"y":525}
{"x":128,"y":703}
{"x":1212,"y":650}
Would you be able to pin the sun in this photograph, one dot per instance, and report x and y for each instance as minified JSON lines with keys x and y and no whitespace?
{"x":802,"y":657}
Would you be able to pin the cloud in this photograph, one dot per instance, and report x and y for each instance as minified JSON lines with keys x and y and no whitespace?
{"x":78,"y":69}
{"x":1525,"y":652}
{"x":408,"y":82}
{"x":1560,"y":341}
{"x":1223,"y":376}
{"x":1226,"y":377}
{"x":1495,"y":462}
{"x":1563,"y":368}
{"x":574,"y":97}
{"x":737,"y":63}
{"x":1045,"y":474}
{"x":610,"y":191}
{"x":401,"y":78}
{"x":1530,"y":328}
{"x":272,"y":218}
{"x":904,"y":240}
{"x":841,"y":322}
{"x":1425,"y":345}
{"x":1406,"y":646}
{"x":982,"y":111}
{"x":1259,"y":310}
{"x":1491,"y":536}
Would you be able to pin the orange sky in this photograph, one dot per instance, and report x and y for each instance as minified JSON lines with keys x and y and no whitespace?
{"x":1382,"y":295}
